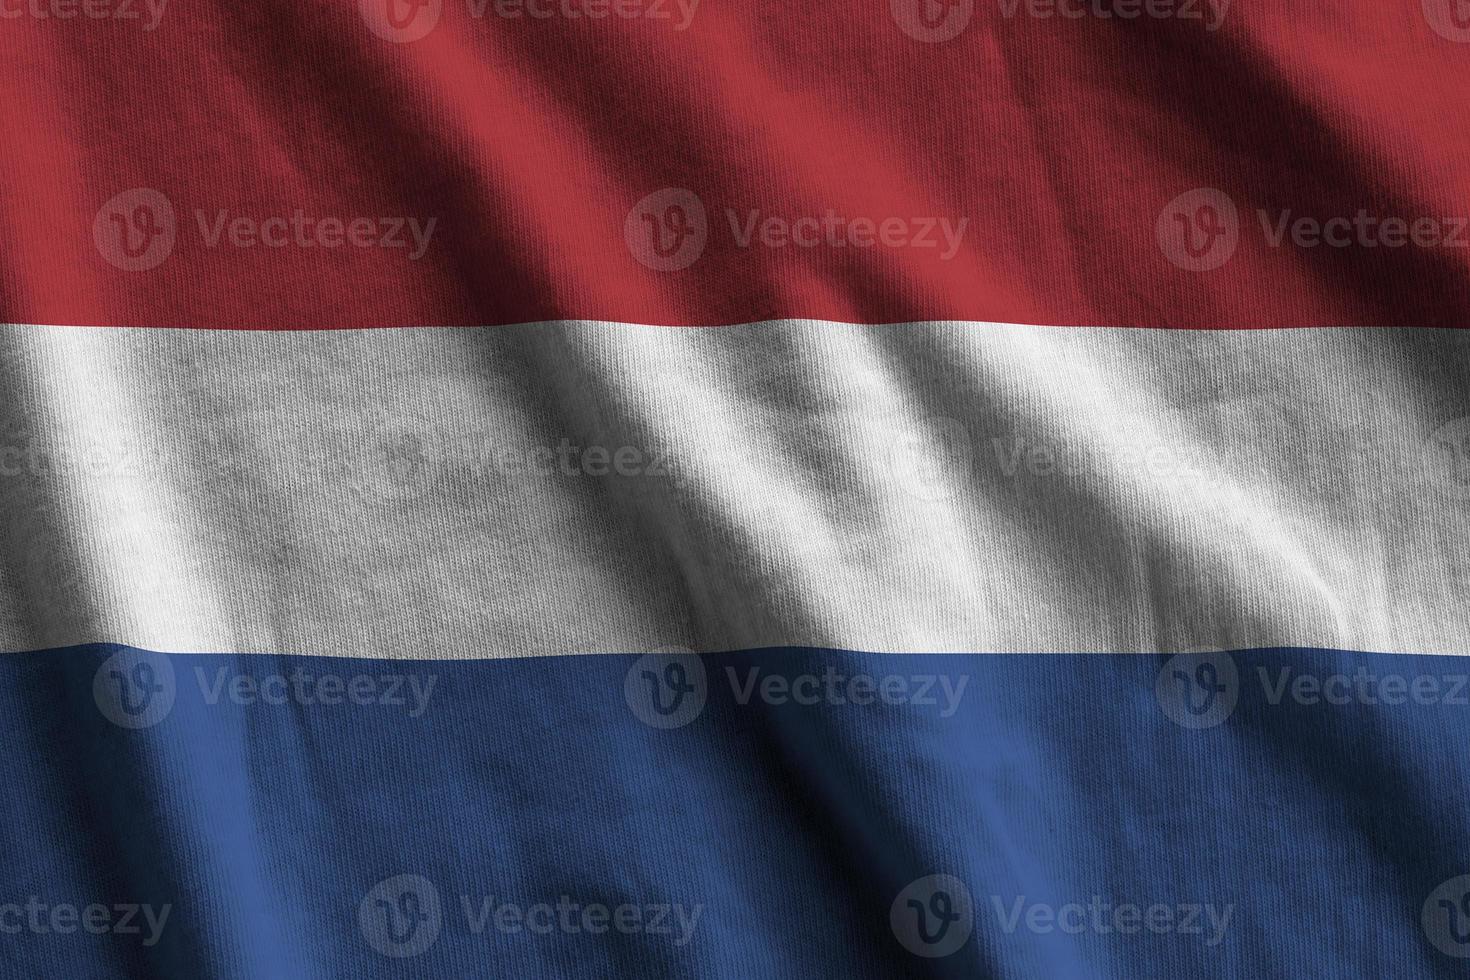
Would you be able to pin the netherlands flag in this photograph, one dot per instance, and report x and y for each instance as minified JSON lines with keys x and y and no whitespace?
{"x":695,"y":488}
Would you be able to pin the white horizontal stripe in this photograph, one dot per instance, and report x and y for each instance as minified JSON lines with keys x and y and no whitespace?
{"x":924,"y":487}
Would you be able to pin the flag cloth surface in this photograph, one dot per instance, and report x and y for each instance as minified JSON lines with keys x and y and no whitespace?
{"x":664,"y":488}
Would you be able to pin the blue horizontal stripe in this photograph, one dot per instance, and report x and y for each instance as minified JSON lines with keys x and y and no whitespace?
{"x":793,"y":813}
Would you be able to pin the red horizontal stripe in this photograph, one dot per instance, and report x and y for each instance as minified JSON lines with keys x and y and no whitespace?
{"x":1059,"y":142}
